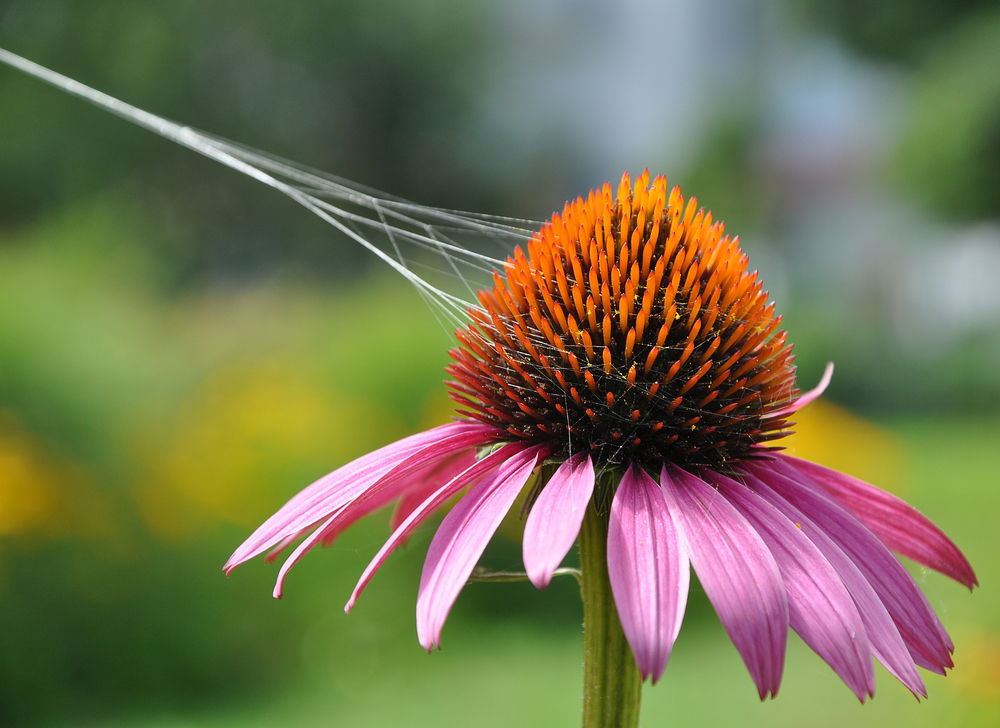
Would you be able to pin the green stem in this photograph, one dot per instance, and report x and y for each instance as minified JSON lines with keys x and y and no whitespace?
{"x":612,"y":686}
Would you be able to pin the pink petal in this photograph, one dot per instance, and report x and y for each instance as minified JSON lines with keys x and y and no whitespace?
{"x":461,"y":539}
{"x":282,"y":545}
{"x":323,"y":533}
{"x":737,"y":571}
{"x":394,"y":488}
{"x":388,"y":489}
{"x":918,"y":625}
{"x":416,"y":487}
{"x":810,"y":396}
{"x":555,"y":518}
{"x":423,"y":490}
{"x":820,"y":608}
{"x":887,"y":645}
{"x":328,"y":495}
{"x":899,"y":525}
{"x":301,"y":550}
{"x":418,"y":515}
{"x":649,"y":570}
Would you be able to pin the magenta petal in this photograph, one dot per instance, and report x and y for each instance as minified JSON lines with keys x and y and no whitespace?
{"x":737,"y":571}
{"x":649,"y":570}
{"x":282,"y":545}
{"x":820,"y":608}
{"x":331,"y":493}
{"x":810,"y":396}
{"x":371,"y":497}
{"x":918,"y":625}
{"x":461,"y":539}
{"x":422,"y":482}
{"x":420,"y":491}
{"x":435,"y":500}
{"x":301,"y":550}
{"x":899,"y":525}
{"x":887,"y":645}
{"x":554,"y":521}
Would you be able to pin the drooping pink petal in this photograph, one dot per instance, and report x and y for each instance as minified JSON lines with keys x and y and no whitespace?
{"x":393,"y":488}
{"x":325,"y":532}
{"x":361,"y":499}
{"x":421,"y":491}
{"x":738,"y":572}
{"x":887,"y":645}
{"x":415,"y":486}
{"x":649,"y":570}
{"x":899,"y":525}
{"x":281,"y":546}
{"x":820,"y":608}
{"x":461,"y":539}
{"x":554,"y":521}
{"x":810,"y":396}
{"x":919,"y":627}
{"x":293,"y":558}
{"x":332,"y":492}
{"x":795,"y":475}
{"x":418,"y":515}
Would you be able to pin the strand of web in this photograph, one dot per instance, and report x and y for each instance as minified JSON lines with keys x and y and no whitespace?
{"x":314,"y":181}
{"x":308,"y":187}
{"x":305,"y":185}
{"x":421,"y":226}
{"x":503,"y":231}
{"x":323,"y":183}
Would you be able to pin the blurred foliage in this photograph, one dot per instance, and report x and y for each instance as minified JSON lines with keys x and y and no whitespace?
{"x":832,"y":436}
{"x":875,"y":375}
{"x":950,"y":156}
{"x":31,"y":484}
{"x":893,"y":30}
{"x":249,"y":424}
{"x":379,"y":91}
{"x":135,"y":427}
{"x":726,"y":178}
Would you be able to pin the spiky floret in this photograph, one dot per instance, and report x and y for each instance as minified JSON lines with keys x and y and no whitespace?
{"x":631,"y":328}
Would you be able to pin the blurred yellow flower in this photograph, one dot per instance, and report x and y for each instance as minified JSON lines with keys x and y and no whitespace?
{"x":245,"y":439}
{"x":28,"y":481}
{"x":832,"y":436}
{"x":42,"y":493}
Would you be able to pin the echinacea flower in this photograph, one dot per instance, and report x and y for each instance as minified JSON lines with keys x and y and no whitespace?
{"x":628,"y":374}
{"x":628,"y":368}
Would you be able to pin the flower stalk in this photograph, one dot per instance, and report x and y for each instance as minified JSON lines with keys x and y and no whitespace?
{"x":612,"y":686}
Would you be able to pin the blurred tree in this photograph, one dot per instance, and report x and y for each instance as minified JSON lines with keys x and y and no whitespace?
{"x":727,"y":177}
{"x":891,"y":30}
{"x":380,"y":92}
{"x":950,"y":155}
{"x":949,"y":158}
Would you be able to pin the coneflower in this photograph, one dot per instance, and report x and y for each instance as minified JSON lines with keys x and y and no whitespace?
{"x":628,"y":371}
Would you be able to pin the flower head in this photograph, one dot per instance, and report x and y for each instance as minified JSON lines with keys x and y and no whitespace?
{"x":633,"y":327}
{"x":629,"y":363}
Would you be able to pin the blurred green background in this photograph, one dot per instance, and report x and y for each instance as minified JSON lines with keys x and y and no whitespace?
{"x":181,"y":349}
